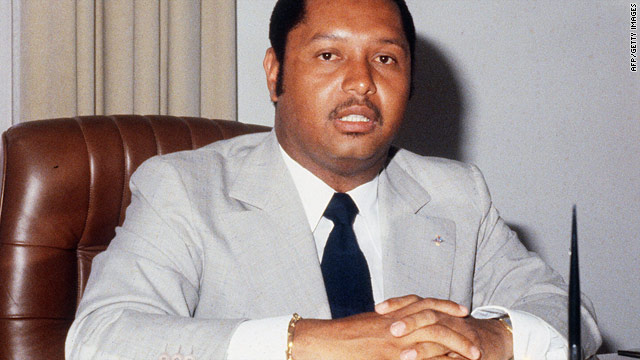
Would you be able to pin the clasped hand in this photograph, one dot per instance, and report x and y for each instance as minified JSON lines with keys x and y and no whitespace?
{"x":404,"y":328}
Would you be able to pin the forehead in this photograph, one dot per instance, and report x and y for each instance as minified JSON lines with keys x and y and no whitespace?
{"x":357,"y":17}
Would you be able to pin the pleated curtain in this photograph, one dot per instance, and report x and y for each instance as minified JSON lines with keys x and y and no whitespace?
{"x":169,"y":57}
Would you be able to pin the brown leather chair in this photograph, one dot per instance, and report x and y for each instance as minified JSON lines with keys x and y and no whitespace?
{"x":64,"y":191}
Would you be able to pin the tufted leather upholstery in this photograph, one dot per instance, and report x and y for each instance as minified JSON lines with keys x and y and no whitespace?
{"x":64,"y":190}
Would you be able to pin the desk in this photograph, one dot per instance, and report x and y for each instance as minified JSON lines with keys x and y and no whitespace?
{"x":613,"y":357}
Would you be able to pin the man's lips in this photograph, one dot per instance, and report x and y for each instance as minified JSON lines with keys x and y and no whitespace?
{"x":352,"y":117}
{"x":355,"y":118}
{"x":355,"y":124}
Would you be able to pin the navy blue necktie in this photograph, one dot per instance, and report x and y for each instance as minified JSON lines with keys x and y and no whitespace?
{"x":344,"y":267}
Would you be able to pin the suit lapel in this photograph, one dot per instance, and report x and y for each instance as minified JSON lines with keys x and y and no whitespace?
{"x":418,"y":247}
{"x":274,"y":229}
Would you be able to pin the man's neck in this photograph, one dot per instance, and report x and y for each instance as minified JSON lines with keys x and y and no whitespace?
{"x":346,"y":177}
{"x":343,"y":178}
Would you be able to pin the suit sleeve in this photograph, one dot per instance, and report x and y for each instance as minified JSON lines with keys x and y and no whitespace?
{"x":144,"y":289}
{"x":508,"y":275}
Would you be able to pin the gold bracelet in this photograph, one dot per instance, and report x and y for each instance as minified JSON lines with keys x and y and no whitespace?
{"x":506,"y":322}
{"x":290,"y":331}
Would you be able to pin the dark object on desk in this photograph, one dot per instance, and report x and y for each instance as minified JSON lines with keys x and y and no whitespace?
{"x":634,"y":353}
{"x":575,"y":348}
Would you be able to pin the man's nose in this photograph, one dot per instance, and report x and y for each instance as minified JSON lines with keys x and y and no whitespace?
{"x":358,"y":79}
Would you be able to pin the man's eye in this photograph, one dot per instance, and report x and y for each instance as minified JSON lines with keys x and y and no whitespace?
{"x":385,"y":59}
{"x":326,"y":56}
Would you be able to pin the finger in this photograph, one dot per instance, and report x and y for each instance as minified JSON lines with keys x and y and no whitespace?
{"x":445,"y":336}
{"x":444,"y":306}
{"x":455,"y":356}
{"x":394,"y":304}
{"x":426,"y":350}
{"x":434,"y":354}
{"x":412,"y":322}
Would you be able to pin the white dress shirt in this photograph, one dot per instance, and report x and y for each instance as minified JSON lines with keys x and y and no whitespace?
{"x":266,"y":338}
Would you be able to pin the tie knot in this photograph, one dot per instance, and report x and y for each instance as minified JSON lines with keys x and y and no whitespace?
{"x":341,"y":209}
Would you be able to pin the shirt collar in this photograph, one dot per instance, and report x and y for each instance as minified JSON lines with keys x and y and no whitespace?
{"x":316,"y":194}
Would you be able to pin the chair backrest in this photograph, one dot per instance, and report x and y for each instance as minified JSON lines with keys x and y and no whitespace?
{"x":64,"y":191}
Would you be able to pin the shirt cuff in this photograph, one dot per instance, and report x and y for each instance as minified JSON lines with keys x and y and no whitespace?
{"x":532,"y":336}
{"x":260,"y":339}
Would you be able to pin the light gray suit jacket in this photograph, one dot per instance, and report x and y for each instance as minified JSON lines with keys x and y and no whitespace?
{"x":218,"y":235}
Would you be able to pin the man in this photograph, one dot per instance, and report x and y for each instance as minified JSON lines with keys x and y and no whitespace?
{"x":222,"y":245}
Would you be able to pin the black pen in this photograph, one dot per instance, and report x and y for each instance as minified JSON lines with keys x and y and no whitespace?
{"x":575,"y":348}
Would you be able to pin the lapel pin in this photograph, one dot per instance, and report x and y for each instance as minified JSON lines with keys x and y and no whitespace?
{"x":438,"y":240}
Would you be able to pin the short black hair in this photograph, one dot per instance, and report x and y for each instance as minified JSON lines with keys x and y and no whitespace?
{"x":287,"y":14}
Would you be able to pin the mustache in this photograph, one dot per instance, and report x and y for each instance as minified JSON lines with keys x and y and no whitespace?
{"x":353,"y":101}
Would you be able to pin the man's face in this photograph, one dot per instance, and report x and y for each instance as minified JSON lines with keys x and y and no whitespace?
{"x":346,"y":82}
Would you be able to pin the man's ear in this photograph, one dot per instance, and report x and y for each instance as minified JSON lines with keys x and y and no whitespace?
{"x":271,"y":69}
